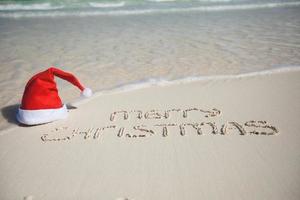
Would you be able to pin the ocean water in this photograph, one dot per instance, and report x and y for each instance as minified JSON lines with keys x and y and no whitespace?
{"x":59,"y":8}
{"x":111,"y":44}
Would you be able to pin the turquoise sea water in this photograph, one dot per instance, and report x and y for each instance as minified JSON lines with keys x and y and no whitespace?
{"x":54,"y":8}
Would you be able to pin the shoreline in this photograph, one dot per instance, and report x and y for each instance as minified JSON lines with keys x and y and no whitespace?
{"x":152,"y":82}
{"x":139,"y":85}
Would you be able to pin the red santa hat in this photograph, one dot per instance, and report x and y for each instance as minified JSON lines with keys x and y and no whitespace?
{"x":41,"y":103}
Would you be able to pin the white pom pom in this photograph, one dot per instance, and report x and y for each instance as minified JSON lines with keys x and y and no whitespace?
{"x":87,"y":92}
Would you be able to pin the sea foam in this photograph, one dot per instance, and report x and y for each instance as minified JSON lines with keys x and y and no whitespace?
{"x":36,"y":6}
{"x":107,"y":5}
{"x":146,"y":83}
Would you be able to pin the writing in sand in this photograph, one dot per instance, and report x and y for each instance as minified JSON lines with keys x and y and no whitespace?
{"x":142,"y":124}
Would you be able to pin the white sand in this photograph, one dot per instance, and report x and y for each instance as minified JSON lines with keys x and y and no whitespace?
{"x":207,"y":166}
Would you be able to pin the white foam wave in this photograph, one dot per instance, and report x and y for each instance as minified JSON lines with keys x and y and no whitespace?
{"x":215,"y":1}
{"x":107,"y":5}
{"x":162,"y":82}
{"x":215,"y":8}
{"x":162,"y":0}
{"x":206,"y":1}
{"x":37,"y":6}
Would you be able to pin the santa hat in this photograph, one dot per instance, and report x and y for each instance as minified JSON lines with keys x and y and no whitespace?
{"x":41,"y":103}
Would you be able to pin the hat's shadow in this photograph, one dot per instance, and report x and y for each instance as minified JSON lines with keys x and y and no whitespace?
{"x":9,"y":113}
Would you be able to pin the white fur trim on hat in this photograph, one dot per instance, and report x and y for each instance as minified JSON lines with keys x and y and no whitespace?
{"x":34,"y":117}
{"x":87,"y":92}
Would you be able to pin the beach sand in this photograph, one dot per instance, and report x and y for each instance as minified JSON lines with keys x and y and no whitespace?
{"x":193,"y":100}
{"x":164,"y":147}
